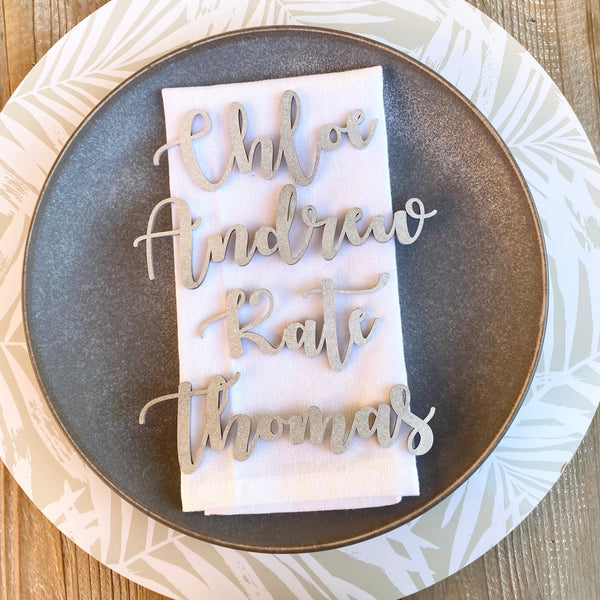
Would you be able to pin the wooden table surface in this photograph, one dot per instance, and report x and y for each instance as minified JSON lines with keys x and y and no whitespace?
{"x":553,"y":554}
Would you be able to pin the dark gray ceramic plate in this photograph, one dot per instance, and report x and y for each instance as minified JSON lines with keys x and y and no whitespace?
{"x":103,"y":337}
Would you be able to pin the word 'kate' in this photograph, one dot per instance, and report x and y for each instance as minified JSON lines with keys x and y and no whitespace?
{"x":269,"y":240}
{"x":297,"y":335}
{"x":383,"y":421}
{"x":329,"y":137}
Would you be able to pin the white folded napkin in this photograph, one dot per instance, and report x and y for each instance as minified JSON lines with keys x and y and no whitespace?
{"x":279,"y":476}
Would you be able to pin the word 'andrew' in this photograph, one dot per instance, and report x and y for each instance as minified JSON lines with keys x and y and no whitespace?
{"x":384,"y":422}
{"x":269,"y":240}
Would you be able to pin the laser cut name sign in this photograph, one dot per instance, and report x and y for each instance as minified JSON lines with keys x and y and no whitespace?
{"x":383,"y":421}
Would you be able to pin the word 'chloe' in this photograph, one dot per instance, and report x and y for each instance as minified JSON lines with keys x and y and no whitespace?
{"x":367,"y":421}
{"x":329,"y":137}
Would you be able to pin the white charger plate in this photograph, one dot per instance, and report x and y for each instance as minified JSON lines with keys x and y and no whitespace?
{"x":563,"y":174}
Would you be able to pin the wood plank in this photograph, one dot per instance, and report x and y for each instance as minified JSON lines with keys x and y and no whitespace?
{"x":53,"y":18}
{"x":4,"y":80}
{"x":25,"y":532}
{"x":19,"y":41}
{"x":578,"y":46}
{"x":45,"y":26}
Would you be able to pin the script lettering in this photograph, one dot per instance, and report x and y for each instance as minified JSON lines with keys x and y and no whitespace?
{"x":329,"y":137}
{"x":269,"y":240}
{"x":298,"y":335}
{"x":383,"y":421}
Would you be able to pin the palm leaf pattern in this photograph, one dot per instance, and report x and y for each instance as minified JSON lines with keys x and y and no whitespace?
{"x":538,"y":126}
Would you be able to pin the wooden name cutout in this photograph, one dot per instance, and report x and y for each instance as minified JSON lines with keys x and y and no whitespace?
{"x":329,"y":137}
{"x":384,"y":421}
{"x":298,"y":335}
{"x":269,"y":240}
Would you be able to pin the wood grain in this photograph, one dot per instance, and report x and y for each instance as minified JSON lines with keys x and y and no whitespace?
{"x":552,"y":555}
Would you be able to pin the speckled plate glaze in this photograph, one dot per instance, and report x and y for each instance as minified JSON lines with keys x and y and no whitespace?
{"x":103,"y":337}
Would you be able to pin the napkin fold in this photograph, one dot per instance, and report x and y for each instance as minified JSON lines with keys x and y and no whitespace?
{"x":280,"y":476}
